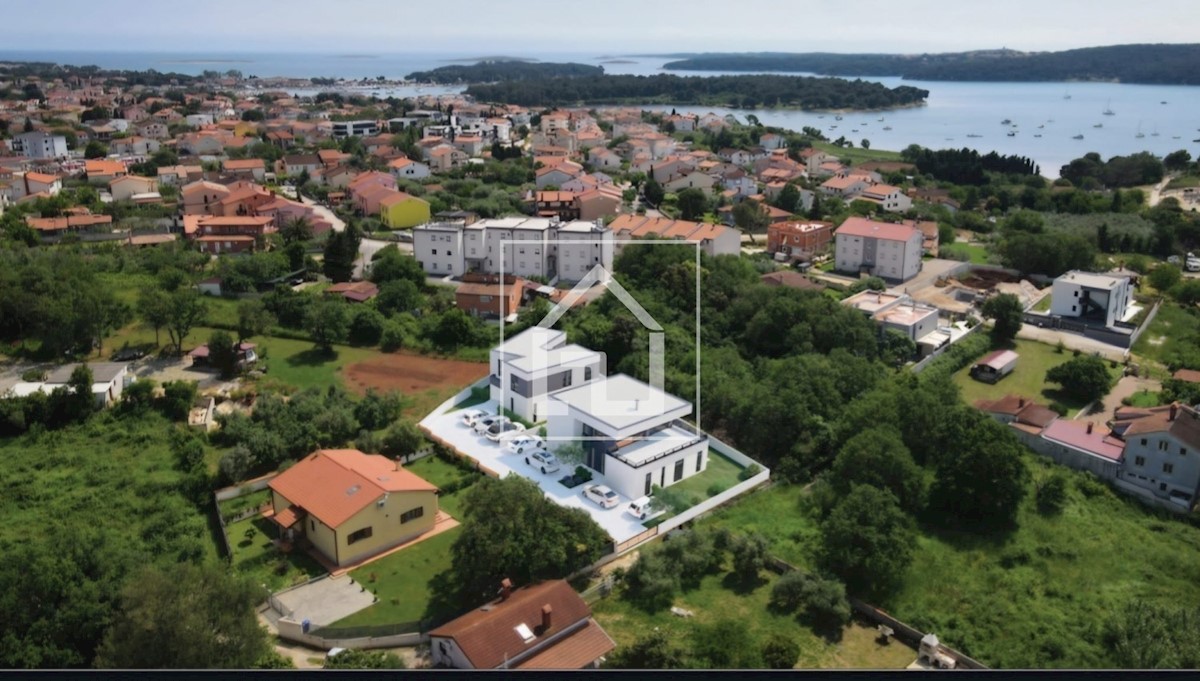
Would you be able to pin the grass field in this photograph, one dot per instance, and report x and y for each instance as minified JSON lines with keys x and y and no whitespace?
{"x":1038,"y":596}
{"x":719,"y":597}
{"x":1027,"y":380}
{"x":1172,"y":328}
{"x":442,"y":474}
{"x":1183,"y":182}
{"x":403,"y":582}
{"x":975,"y":253}
{"x":720,"y":472}
{"x":857,"y":154}
{"x":254,"y":555}
{"x":1043,"y":305}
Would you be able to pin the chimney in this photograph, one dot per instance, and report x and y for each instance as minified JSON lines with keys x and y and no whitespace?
{"x":398,"y":466}
{"x":1021,"y":402}
{"x":505,"y":588}
{"x":1090,"y":426}
{"x":1174,"y":411}
{"x":547,"y":611}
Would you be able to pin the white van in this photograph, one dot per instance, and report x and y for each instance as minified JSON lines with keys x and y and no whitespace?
{"x":640,"y":508}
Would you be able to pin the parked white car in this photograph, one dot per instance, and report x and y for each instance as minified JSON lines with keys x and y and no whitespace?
{"x":497,"y":431}
{"x":482,"y":423}
{"x":523,"y":443}
{"x":543,"y":461}
{"x":641,"y":508}
{"x":602,"y":495}
{"x":470,"y":416}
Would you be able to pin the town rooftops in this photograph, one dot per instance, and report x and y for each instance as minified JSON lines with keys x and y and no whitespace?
{"x":1091,"y":280}
{"x":505,"y":630}
{"x":335,"y":484}
{"x":862,"y":227}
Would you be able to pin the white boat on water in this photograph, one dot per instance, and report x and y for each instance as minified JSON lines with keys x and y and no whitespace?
{"x":1108,"y":109}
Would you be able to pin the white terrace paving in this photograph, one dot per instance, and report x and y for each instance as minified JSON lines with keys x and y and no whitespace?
{"x":448,"y":427}
{"x":326,"y":601}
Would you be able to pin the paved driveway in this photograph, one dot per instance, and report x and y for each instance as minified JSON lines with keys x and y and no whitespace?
{"x":326,"y":601}
{"x":618,"y":524}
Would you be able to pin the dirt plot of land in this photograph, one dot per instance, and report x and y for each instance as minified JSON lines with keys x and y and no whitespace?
{"x":411,"y":373}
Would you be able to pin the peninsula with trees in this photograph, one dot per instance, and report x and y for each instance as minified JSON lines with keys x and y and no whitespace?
{"x":1141,"y":64}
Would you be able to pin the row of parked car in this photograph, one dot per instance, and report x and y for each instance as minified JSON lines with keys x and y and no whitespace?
{"x":515,"y":439}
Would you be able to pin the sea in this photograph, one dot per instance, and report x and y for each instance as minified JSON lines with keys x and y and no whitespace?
{"x":1044,"y":120}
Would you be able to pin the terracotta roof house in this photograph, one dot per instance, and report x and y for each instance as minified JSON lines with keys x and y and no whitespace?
{"x":349,"y":505}
{"x":545,"y":626}
{"x":790,"y":279}
{"x":490,"y":299}
{"x":250,"y":168}
{"x":355,"y":292}
{"x":1187,"y":376}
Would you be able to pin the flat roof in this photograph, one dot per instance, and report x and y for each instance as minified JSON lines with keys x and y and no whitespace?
{"x":905,"y":315}
{"x":1091,"y":280}
{"x":622,"y":402}
{"x":647,"y":448}
{"x":102,"y":372}
{"x":871,"y":301}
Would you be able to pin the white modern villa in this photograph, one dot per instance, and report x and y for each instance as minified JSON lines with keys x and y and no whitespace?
{"x":633,"y":433}
{"x":535,"y":363}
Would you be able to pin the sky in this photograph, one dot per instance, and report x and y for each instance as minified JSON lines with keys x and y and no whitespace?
{"x":529,"y":27}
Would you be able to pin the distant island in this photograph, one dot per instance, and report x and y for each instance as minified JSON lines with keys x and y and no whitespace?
{"x":475,"y":60}
{"x":1157,"y":64}
{"x":503,"y":70}
{"x":745,"y":92}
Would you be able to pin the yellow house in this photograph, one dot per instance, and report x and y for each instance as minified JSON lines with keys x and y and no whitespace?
{"x":403,"y":211}
{"x":351,"y":505}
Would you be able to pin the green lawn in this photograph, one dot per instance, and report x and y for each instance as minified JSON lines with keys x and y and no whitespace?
{"x":975,"y":253}
{"x":1183,"y":182}
{"x":1043,"y":305}
{"x":1173,"y":329}
{"x":1145,"y":398}
{"x":299,"y":364}
{"x":437,"y":471}
{"x":858,"y":154}
{"x":403,"y":582}
{"x":245,"y":502}
{"x":776,"y":514}
{"x":719,"y":597}
{"x":478,"y":396}
{"x":721,"y":472}
{"x":257,"y":557}
{"x":1027,"y":380}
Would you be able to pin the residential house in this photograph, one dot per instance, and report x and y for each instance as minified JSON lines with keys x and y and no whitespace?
{"x":331,"y":158}
{"x":408,"y":169}
{"x":691,"y":180}
{"x":108,"y":382}
{"x":245,"y":355}
{"x":536,"y":363}
{"x":598,"y":203}
{"x":633,"y":433}
{"x":339,"y":177}
{"x":403,"y":211}
{"x":771,"y":141}
{"x":227,"y":234}
{"x":847,"y":187}
{"x":887,"y":197}
{"x":1160,"y":456}
{"x":438,"y":248}
{"x":545,"y":626}
{"x":582,"y":245}
{"x":203,"y":197}
{"x":444,"y":157}
{"x":369,"y":197}
{"x":790,"y":279}
{"x":131,"y":187}
{"x":342,"y":129}
{"x":602,"y":157}
{"x":488,"y":297}
{"x":714,"y":240}
{"x":295,"y":165}
{"x":37,"y":183}
{"x":176,"y":176}
{"x":813,"y":159}
{"x":558,"y":174}
{"x":39,"y":145}
{"x":134,"y":146}
{"x":560,"y":204}
{"x":350,"y":505}
{"x":738,"y":157}
{"x":900,"y":313}
{"x":929,"y":232}
{"x":101,"y":172}
{"x":1101,"y":299}
{"x":153,"y":129}
{"x":490,"y":246}
{"x":798,"y":240}
{"x":354,"y":292}
{"x":471,"y":145}
{"x":249,"y":169}
{"x":52,"y":228}
{"x":878,"y":248}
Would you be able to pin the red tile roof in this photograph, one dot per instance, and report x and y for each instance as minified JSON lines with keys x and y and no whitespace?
{"x":488,"y":636}
{"x":289,"y":516}
{"x":1185,"y":426}
{"x":1187,"y":375}
{"x":577,"y":650}
{"x":863,"y":227}
{"x":1076,"y":434}
{"x":335,"y":484}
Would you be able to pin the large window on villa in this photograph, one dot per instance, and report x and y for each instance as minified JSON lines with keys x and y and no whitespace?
{"x":678,"y":470}
{"x":415,"y":513}
{"x":364,"y":533}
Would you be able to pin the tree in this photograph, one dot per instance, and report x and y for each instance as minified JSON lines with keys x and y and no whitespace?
{"x":654,"y":650}
{"x":653,"y":191}
{"x":366,"y":326}
{"x":878,"y":457}
{"x":236,"y":464}
{"x":389,"y":264}
{"x":375,"y":411}
{"x":1177,"y":160}
{"x":95,"y":149}
{"x":542,"y":540}
{"x":187,"y":310}
{"x":1007,"y":315}
{"x":1187,"y":292}
{"x":750,"y":217}
{"x":983,"y":483}
{"x":454,"y":329}
{"x":398,"y":296}
{"x":749,"y":557}
{"x":253,"y":319}
{"x":816,"y":212}
{"x":693,"y":203}
{"x":185,"y":617}
{"x":1052,"y":494}
{"x":154,"y":306}
{"x":341,"y":252}
{"x":780,"y":652}
{"x":788,"y":198}
{"x":867,"y":541}
{"x":1085,"y":377}
{"x":724,"y":644}
{"x":1164,"y":276}
{"x":223,"y":353}
{"x":296,"y":230}
{"x":328,"y":321}
{"x":820,"y":602}
{"x":402,"y":440}
{"x":364,"y":659}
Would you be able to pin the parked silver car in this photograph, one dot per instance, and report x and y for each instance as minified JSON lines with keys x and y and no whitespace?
{"x":543,"y":461}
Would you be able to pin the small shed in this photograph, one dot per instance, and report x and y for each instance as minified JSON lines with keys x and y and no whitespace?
{"x":995,"y":366}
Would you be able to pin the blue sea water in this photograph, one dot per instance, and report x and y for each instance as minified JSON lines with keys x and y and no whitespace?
{"x":1045,"y":116}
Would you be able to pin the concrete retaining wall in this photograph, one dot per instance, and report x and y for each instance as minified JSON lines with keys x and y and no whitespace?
{"x":294,"y":631}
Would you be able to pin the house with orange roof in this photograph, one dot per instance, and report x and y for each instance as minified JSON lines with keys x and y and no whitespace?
{"x":799,"y":239}
{"x":248,"y":169}
{"x":228,"y":234}
{"x":690,"y":180}
{"x":179,"y":175}
{"x":349,"y":505}
{"x":101,"y":171}
{"x":244,"y":199}
{"x":127,"y":187}
{"x":879,"y":249}
{"x":408,"y":169}
{"x":57,"y":227}
{"x":203,"y":197}
{"x":371,"y":178}
{"x":444,"y":157}
{"x":602,"y":157}
{"x":887,"y":197}
{"x":471,"y":145}
{"x":37,"y":183}
{"x":844,"y":187}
